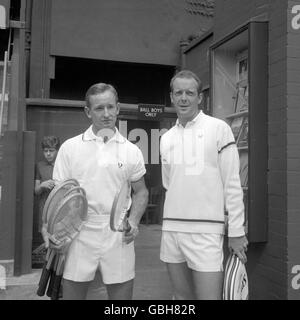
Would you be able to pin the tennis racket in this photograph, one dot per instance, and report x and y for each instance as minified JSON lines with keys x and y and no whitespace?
{"x":60,"y":192}
{"x":52,"y":275}
{"x":56,"y":289}
{"x":46,"y":272}
{"x":235,"y":286}
{"x":118,"y":214}
{"x":64,"y":227}
{"x":66,"y":214}
{"x":55,"y":196}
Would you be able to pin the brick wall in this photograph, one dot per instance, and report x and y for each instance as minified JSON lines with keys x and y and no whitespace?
{"x":1,"y":156}
{"x":293,"y":148}
{"x":274,"y":256}
{"x":230,"y":14}
{"x":198,"y":59}
{"x":267,"y":262}
{"x":270,"y":264}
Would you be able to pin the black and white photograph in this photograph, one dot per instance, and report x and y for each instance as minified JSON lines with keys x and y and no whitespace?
{"x":149,"y":152}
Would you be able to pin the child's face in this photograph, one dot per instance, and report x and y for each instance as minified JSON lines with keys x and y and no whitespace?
{"x":50,"y":154}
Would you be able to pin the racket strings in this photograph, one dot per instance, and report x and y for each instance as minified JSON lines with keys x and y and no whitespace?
{"x":59,"y":196}
{"x":56,"y":196}
{"x":68,"y":228}
{"x":67,"y":232}
{"x":68,"y":219}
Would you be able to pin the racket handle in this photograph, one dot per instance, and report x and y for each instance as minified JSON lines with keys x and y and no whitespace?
{"x":52,"y":275}
{"x":51,"y":283}
{"x":46,"y":272}
{"x":55,"y":294}
{"x":43,"y":281}
{"x":56,"y":290}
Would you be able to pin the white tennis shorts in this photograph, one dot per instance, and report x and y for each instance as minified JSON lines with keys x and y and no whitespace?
{"x":202,"y":252}
{"x":97,"y":247}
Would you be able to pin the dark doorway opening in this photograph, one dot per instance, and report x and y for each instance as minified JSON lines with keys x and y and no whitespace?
{"x":135,"y":82}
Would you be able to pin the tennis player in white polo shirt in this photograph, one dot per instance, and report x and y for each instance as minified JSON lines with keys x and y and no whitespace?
{"x":101,"y":159}
{"x":200,"y":171}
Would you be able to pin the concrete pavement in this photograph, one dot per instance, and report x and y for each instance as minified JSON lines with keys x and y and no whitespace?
{"x":151,"y":282}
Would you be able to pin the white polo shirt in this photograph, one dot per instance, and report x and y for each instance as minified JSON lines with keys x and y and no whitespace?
{"x":200,"y":170}
{"x":99,"y":167}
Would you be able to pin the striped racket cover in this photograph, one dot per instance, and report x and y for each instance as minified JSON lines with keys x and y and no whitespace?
{"x":118,"y":214}
{"x":235,"y":286}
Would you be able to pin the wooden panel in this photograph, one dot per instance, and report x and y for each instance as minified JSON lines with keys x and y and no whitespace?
{"x":146,"y":31}
{"x":27,"y":212}
{"x":197,"y":59}
{"x":39,"y":85}
{"x":62,"y":122}
{"x":258,"y":118}
{"x":8,"y":201}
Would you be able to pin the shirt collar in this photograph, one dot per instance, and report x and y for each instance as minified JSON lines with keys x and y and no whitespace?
{"x":89,"y":135}
{"x":198,"y":117}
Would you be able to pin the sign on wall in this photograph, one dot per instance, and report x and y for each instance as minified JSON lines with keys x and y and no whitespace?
{"x":296,"y":17}
{"x":151,"y":111}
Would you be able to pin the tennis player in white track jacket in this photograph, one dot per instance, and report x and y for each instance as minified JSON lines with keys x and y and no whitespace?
{"x":200,"y":172}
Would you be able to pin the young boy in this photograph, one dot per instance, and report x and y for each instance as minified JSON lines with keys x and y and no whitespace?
{"x":43,"y":173}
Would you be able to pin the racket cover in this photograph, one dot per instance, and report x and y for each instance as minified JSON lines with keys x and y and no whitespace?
{"x":235,"y":286}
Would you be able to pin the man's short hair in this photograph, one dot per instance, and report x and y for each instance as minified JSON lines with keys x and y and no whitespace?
{"x":99,"y":88}
{"x":50,"y":142}
{"x":187,"y":74}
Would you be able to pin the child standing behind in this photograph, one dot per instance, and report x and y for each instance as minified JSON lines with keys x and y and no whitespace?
{"x":43,"y":173}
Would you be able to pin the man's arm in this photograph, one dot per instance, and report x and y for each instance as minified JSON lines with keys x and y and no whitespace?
{"x":138,"y":207}
{"x":238,"y":245}
{"x":62,"y":167}
{"x":165,"y":167}
{"x":233,"y":195}
{"x":41,"y":186}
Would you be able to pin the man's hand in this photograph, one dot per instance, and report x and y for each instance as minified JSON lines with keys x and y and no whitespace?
{"x":238,"y":246}
{"x":48,"y":184}
{"x":130,"y":235}
{"x":45,"y":235}
{"x":48,"y":240}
